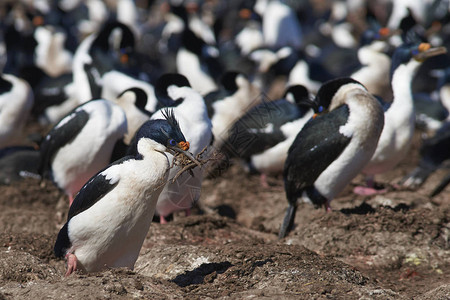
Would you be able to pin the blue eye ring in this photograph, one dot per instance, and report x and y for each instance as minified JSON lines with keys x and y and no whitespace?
{"x":172,"y":142}
{"x":320,"y":109}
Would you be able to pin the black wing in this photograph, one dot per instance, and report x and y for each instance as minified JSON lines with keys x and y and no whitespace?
{"x":90,"y":193}
{"x":317,"y":145}
{"x":59,"y":136}
{"x":93,"y":75}
{"x":93,"y":190}
{"x":276,"y":112}
{"x":259,"y":128}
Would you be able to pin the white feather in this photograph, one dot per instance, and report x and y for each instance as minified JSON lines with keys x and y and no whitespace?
{"x":91,"y":149}
{"x":189,"y":65}
{"x":365,"y":124}
{"x":15,"y":106}
{"x":196,"y":126}
{"x":111,"y":232}
{"x":399,"y":123}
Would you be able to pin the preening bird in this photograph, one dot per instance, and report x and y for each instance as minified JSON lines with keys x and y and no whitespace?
{"x":375,"y":63}
{"x":81,"y":144}
{"x":332,"y":148}
{"x":51,"y":56}
{"x":133,"y":101}
{"x":193,"y":118}
{"x":399,"y":116}
{"x":197,"y":58}
{"x":262,"y":136}
{"x":111,"y":215}
{"x":98,"y":53}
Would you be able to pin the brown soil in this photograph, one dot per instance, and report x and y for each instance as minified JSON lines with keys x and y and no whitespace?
{"x":391,"y":246}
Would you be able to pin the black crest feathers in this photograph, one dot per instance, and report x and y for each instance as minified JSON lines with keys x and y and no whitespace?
{"x":170,"y":117}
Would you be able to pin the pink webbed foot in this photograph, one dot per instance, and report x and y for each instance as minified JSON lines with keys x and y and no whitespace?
{"x":368,"y":191}
{"x":162,"y":220}
{"x":263,"y":181}
{"x":71,"y":264}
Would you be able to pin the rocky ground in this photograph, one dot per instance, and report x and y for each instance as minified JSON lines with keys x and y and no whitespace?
{"x":390,"y":246}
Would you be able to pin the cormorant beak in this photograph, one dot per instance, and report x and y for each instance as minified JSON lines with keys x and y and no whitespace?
{"x":124,"y":58}
{"x":385,"y":33}
{"x":425,"y":51}
{"x":318,"y":109}
{"x":182,"y":147}
{"x":38,"y":20}
{"x":245,"y":13}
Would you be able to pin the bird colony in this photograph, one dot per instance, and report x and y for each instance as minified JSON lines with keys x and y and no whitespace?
{"x":146,"y":115}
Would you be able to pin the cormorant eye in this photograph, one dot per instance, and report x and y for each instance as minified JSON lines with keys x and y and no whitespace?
{"x":320,"y":109}
{"x":172,"y":142}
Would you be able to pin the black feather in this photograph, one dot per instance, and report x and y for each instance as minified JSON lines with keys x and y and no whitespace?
{"x":97,"y":187}
{"x":62,"y":243}
{"x":60,"y":136}
{"x":170,"y":117}
{"x":317,"y":145}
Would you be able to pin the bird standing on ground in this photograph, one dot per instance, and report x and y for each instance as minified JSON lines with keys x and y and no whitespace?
{"x":193,"y":118}
{"x":395,"y":140}
{"x":81,"y":144}
{"x":112,"y":213}
{"x":332,"y":148}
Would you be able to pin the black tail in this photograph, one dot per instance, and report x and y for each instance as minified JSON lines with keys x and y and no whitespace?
{"x":441,"y":185}
{"x":288,"y":221}
{"x":62,"y":242}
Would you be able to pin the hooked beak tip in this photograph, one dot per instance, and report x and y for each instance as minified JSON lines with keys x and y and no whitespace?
{"x":184,"y":145}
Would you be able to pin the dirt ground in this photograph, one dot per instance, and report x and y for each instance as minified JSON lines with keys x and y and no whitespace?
{"x":390,"y":246}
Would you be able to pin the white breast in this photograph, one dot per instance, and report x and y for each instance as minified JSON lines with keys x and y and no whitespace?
{"x":15,"y":107}
{"x":364,"y":126}
{"x":111,"y":232}
{"x":189,"y":65}
{"x":91,"y":149}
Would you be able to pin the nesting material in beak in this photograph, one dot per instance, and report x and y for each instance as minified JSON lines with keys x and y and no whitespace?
{"x":182,"y":147}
